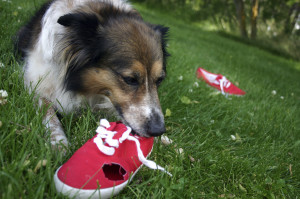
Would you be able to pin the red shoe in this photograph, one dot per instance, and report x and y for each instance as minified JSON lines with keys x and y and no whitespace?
{"x":219,"y":82}
{"x":105,"y":164}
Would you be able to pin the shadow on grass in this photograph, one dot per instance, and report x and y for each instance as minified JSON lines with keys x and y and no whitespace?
{"x":261,"y":44}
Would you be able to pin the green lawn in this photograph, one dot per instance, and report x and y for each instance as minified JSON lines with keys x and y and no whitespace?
{"x":262,"y":162}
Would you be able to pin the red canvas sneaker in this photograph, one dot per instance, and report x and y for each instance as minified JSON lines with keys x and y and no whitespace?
{"x":105,"y":164}
{"x":220,"y":82}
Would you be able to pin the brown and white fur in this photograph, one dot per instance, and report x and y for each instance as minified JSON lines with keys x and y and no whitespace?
{"x":96,"y":52}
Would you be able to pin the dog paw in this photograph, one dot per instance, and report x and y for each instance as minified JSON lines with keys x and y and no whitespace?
{"x":60,"y":145}
{"x":58,"y":140}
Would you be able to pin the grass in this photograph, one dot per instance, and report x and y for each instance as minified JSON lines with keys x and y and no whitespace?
{"x":262,"y":162}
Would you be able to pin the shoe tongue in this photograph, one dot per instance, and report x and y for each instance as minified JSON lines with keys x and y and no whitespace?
{"x":120,"y":128}
{"x":112,"y":126}
{"x":219,"y":77}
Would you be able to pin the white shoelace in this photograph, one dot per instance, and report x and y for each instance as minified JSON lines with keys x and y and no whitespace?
{"x":103,"y":133}
{"x":224,"y":83}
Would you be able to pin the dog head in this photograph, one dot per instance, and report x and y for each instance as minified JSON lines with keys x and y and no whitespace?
{"x":115,"y":53}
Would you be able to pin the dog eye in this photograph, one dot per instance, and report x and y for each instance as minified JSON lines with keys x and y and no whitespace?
{"x":132,"y":81}
{"x":159,"y":80}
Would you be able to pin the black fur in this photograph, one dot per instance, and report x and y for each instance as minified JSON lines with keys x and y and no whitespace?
{"x":27,"y":34}
{"x":164,"y":39}
{"x":87,"y":45}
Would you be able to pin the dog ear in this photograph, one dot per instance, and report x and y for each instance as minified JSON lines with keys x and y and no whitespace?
{"x":164,"y":32}
{"x":84,"y":34}
{"x":67,"y":19}
{"x":79,"y":21}
{"x":83,"y":44}
{"x":162,"y":29}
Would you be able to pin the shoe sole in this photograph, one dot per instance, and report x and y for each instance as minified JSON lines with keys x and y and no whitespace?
{"x":89,"y":193}
{"x":76,"y":193}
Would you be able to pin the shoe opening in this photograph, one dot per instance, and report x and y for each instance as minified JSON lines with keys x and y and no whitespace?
{"x":114,"y":171}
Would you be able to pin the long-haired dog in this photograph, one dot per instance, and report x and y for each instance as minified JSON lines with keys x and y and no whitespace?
{"x":96,"y":52}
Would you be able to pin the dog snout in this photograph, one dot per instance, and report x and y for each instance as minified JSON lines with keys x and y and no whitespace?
{"x":156,"y":125}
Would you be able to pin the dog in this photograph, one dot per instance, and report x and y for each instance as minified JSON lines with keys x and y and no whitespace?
{"x":96,"y":52}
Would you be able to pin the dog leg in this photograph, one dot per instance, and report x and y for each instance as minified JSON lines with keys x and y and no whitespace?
{"x":57,"y":136}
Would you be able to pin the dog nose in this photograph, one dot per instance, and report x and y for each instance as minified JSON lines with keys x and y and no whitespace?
{"x":156,"y":129}
{"x":156,"y":126}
